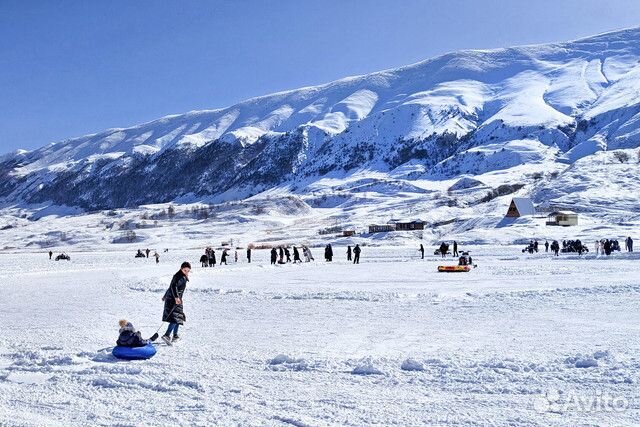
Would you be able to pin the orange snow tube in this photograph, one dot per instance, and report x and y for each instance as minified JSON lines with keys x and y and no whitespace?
{"x":454,"y":268}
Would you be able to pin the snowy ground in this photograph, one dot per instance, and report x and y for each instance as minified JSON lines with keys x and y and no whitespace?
{"x":521,"y":340}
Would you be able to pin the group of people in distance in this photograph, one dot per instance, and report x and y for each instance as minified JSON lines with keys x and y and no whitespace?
{"x":602,"y":246}
{"x":146,"y":253}
{"x":208,"y":259}
{"x":282,"y":255}
{"x":608,"y":246}
{"x":442,"y":250}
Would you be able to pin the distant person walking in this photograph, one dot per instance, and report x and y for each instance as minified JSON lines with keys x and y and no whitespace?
{"x":421,"y":251}
{"x":296,"y":255}
{"x":274,"y":256}
{"x":348,"y":253}
{"x":281,"y":250}
{"x":546,"y":246}
{"x":628,"y":244}
{"x":455,"y":248}
{"x":307,"y":254}
{"x":173,"y":309}
{"x":148,"y":252}
{"x":249,"y":255}
{"x":50,"y":255}
{"x":223,"y":257}
{"x":356,"y":254}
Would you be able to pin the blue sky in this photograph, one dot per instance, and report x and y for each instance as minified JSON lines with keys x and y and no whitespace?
{"x":68,"y":68}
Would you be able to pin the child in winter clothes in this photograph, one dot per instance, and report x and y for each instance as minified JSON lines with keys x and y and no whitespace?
{"x":129,"y":337}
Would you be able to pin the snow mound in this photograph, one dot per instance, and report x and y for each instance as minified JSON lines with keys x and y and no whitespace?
{"x":283,"y":362}
{"x":588,"y":360}
{"x":412,"y":365}
{"x":466,"y":183}
{"x":586,"y":363}
{"x":366,"y":367}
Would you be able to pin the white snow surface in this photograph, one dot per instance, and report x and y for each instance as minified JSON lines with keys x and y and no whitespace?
{"x":387,"y":342}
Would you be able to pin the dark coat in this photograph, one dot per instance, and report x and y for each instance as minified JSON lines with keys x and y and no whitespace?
{"x":357,"y":250}
{"x":174,"y":313}
{"x":130,"y":338}
{"x":328,"y":252}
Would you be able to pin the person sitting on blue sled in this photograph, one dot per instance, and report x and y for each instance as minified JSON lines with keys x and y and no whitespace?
{"x":129,"y":337}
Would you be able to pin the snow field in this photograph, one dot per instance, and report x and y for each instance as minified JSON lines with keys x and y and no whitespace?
{"x":389,"y":341}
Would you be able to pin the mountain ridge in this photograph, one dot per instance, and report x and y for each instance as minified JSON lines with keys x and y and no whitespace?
{"x":466,"y":112}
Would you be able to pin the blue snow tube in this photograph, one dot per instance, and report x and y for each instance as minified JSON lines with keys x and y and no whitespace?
{"x":134,"y":353}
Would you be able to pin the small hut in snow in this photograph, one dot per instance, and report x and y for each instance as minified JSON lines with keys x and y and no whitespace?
{"x":563,"y":218}
{"x":521,"y":206}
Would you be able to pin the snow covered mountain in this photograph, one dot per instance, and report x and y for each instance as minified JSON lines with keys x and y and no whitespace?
{"x":477,"y":112}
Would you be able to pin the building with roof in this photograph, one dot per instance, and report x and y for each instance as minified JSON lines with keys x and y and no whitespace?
{"x":521,"y":206}
{"x":562,"y":218}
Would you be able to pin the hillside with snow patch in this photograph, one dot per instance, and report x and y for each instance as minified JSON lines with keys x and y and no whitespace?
{"x":558,"y":122}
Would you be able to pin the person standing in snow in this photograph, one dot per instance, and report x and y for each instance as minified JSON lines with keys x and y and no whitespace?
{"x":287,"y":253}
{"x":535,"y":246}
{"x":443,"y":249}
{"x":249,"y":255}
{"x":148,"y":252}
{"x":50,"y":254}
{"x":356,"y":254}
{"x":349,"y":253}
{"x":296,"y":255}
{"x":455,"y":248}
{"x":328,"y":253}
{"x":421,"y":251}
{"x":274,"y":256}
{"x":204,"y":260}
{"x":156,"y":255}
{"x":223,"y":257}
{"x":628,"y":244}
{"x":173,"y":309}
{"x":546,"y":246}
{"x":212,"y":257}
{"x":281,"y":253}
